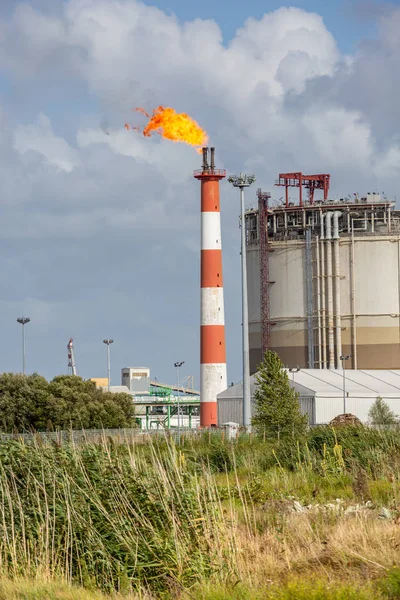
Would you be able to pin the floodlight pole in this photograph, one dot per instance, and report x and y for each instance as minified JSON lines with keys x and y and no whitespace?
{"x":293,"y":371}
{"x":23,"y":321}
{"x":343,"y":359}
{"x":108,"y":343}
{"x":178,"y":365}
{"x":242,"y":181}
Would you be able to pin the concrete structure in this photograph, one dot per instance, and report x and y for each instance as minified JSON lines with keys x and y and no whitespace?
{"x":333,"y":283}
{"x":136,"y":379}
{"x":321,"y":394}
{"x":100,"y":381}
{"x":213,"y":377}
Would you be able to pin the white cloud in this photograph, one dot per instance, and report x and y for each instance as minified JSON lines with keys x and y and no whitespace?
{"x":279,"y":96}
{"x":40,"y":138}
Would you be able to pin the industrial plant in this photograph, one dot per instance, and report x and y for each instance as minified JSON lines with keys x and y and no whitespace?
{"x":324,"y":278}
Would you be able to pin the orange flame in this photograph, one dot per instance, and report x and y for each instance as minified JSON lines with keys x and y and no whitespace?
{"x":178,"y":127}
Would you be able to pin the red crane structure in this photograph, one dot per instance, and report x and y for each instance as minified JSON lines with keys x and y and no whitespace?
{"x":263,"y":198}
{"x":311,"y":182}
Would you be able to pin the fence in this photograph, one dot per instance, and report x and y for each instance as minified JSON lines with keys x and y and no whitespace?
{"x":86,"y":436}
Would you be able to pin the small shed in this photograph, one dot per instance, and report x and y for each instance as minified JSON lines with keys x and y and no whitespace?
{"x":324,"y":394}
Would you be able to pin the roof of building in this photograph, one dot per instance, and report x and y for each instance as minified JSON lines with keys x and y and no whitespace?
{"x":117,"y":389}
{"x":329,"y":383}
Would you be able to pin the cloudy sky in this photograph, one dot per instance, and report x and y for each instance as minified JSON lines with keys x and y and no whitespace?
{"x":99,"y":226}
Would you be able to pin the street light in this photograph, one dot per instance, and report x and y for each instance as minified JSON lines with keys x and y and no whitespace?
{"x":242,"y":181}
{"x":293,"y":371}
{"x":343,"y":358}
{"x":23,"y":321}
{"x":178,"y":365}
{"x":108,"y":343}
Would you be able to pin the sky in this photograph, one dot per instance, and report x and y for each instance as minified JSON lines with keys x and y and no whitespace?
{"x":100,"y":226}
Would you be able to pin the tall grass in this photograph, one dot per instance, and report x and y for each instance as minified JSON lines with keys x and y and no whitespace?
{"x":162,"y":520}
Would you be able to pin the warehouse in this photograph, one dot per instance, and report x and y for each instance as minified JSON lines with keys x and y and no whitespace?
{"x":324,"y":394}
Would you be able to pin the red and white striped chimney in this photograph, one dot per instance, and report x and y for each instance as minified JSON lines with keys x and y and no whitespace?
{"x":213,"y":378}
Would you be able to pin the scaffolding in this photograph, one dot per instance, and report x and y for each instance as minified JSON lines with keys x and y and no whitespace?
{"x":263,"y":198}
{"x":310,"y":182}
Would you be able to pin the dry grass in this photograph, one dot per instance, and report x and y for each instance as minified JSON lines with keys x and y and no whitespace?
{"x":159,"y":520}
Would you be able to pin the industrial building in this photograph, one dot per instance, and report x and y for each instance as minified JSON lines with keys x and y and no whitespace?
{"x":324,"y":278}
{"x":321,"y":395}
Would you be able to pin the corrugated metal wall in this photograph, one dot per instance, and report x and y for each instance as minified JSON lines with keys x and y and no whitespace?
{"x":230,"y":410}
{"x":307,"y":407}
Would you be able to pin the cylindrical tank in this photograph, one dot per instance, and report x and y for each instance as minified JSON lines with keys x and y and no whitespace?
{"x":366,"y":291}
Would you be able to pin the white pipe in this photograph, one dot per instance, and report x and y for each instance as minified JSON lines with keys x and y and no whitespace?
{"x":338,"y":319}
{"x":318,"y":302}
{"x":331,"y":341}
{"x":323,"y":311}
{"x":353,"y":299}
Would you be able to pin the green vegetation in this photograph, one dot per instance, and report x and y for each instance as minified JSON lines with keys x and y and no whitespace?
{"x":380,"y":413}
{"x":277,"y":410}
{"x":67,"y":402}
{"x":270,"y":519}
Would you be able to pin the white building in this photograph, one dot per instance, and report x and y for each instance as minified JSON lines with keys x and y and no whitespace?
{"x":321,"y":394}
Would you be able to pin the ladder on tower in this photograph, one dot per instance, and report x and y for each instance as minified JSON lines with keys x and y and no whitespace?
{"x":265,"y":317}
{"x":71,"y":357}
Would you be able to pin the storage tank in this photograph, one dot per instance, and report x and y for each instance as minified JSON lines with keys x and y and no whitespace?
{"x":333,"y":284}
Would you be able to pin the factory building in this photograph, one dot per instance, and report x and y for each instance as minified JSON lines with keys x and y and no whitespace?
{"x":321,"y":394}
{"x":324,"y":278}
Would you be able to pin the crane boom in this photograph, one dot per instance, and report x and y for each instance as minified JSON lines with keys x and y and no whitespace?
{"x":71,"y":357}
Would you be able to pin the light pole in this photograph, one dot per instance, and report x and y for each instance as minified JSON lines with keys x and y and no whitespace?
{"x":242,"y":181}
{"x":343,"y":358}
{"x":108,"y":343}
{"x":23,"y":321}
{"x":178,"y":366}
{"x":293,"y":371}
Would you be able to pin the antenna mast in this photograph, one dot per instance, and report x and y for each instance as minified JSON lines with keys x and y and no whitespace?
{"x":71,"y":357}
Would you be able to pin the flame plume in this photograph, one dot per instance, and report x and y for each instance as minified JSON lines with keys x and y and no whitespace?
{"x":178,"y":127}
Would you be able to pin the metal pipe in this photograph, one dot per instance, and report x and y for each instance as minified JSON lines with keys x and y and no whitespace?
{"x":205,"y":159}
{"x":353,"y":298}
{"x":331,"y":341}
{"x":318,"y":301}
{"x":323,"y":305}
{"x":212,"y":159}
{"x":310,"y":311}
{"x":338,"y":320}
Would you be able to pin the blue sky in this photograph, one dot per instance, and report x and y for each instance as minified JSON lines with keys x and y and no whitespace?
{"x":348,"y":21}
{"x":100,"y":227}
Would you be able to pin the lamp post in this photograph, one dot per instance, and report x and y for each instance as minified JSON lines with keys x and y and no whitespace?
{"x":343,"y":358}
{"x":23,"y":321}
{"x":178,"y":366}
{"x":243,"y":181}
{"x":108,"y":343}
{"x":293,"y":371}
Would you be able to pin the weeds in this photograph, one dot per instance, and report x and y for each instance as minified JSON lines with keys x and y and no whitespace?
{"x":207,"y":517}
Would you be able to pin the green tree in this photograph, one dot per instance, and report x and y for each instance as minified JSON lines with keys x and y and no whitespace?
{"x":277,"y":408}
{"x":32,"y":403}
{"x":380,"y":413}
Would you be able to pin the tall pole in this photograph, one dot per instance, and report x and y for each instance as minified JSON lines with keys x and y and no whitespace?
{"x":108,"y":343}
{"x":293,"y":371}
{"x":241,"y":182}
{"x":178,"y":365}
{"x":343,"y":359}
{"x":23,"y":321}
{"x":245,"y":325}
